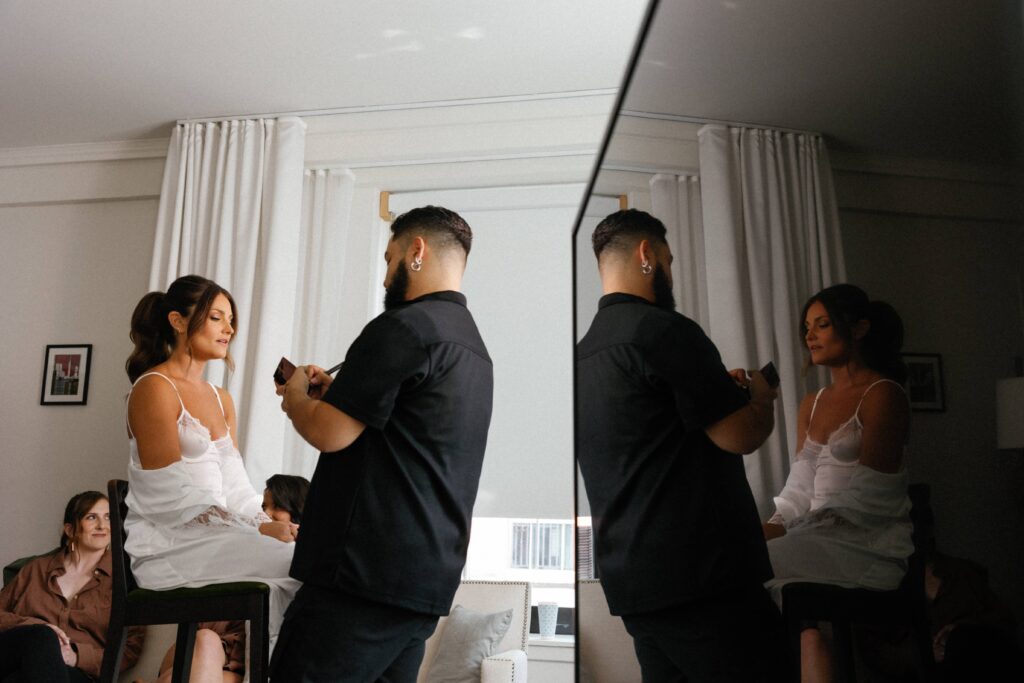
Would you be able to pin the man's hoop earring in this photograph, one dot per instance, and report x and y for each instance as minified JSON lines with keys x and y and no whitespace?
{"x":417,"y":264}
{"x":646,"y":268}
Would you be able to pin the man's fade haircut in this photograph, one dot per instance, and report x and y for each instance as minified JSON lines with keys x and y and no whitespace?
{"x":622,"y":230}
{"x":445,"y":228}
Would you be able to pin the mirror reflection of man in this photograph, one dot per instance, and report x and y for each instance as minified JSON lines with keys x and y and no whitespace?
{"x":661,"y":426}
{"x":402,"y":432}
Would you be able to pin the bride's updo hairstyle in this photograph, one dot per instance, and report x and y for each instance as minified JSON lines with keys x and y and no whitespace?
{"x":880,"y":347}
{"x":191,"y":296}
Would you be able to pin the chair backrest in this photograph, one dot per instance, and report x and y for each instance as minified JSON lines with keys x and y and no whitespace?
{"x":11,"y":570}
{"x":123,"y":580}
{"x":922,"y":518}
{"x":606,"y":653}
{"x":489,"y":597}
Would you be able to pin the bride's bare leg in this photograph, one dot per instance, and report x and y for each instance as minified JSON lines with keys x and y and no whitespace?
{"x":207,"y":661}
{"x":815,"y":657}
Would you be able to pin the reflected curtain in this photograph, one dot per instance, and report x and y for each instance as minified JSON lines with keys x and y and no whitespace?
{"x":771,"y":239}
{"x":323,"y":242}
{"x":676,"y":201}
{"x":230,"y":208}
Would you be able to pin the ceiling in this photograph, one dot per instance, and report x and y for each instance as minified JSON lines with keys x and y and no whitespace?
{"x":73,"y":72}
{"x":937,"y":79}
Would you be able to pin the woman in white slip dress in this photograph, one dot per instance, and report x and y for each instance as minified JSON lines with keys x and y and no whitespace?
{"x":843,"y":516}
{"x":193,"y":515}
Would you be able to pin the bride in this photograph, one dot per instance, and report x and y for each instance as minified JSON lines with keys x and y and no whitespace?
{"x":193,"y":515}
{"x":843,"y":517}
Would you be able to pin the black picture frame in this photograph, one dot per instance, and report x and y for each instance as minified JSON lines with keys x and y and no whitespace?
{"x":926,"y":385}
{"x":66,"y":374}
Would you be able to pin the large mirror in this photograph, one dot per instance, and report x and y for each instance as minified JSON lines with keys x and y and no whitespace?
{"x":904,"y":122}
{"x":495,"y":110}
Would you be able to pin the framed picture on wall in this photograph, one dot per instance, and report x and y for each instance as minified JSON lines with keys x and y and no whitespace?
{"x":926,"y":386}
{"x":66,"y":374}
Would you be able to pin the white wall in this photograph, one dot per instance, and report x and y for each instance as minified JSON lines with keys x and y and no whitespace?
{"x":71,"y":271}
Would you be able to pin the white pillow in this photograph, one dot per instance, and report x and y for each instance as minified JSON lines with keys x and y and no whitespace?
{"x":468,"y":638}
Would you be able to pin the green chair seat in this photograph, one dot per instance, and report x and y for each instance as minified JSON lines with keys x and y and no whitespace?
{"x":214,"y":590}
{"x":11,"y":570}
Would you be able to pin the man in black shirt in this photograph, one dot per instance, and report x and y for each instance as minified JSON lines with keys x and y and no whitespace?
{"x":660,"y":428}
{"x":402,"y":432}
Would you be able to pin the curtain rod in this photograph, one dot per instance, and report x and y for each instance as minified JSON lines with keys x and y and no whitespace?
{"x":433,"y":104}
{"x":697,"y":119}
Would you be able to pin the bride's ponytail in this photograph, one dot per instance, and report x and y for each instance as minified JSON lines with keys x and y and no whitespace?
{"x":152,"y":335}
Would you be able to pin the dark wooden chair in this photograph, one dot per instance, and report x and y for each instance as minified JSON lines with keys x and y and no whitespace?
{"x":847,"y":608}
{"x":186,"y":607}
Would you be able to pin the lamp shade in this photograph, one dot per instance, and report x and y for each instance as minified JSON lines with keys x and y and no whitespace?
{"x":1010,"y":412}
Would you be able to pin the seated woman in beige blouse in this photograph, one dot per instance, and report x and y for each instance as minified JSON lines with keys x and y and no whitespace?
{"x":54,"y":613}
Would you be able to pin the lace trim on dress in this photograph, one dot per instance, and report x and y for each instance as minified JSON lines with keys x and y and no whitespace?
{"x":217,"y":517}
{"x":821,"y":518}
{"x":204,"y":430}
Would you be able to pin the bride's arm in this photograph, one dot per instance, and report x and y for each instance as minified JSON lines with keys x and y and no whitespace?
{"x":885,"y":416}
{"x":153,"y":410}
{"x":795,"y":497}
{"x":242,"y":498}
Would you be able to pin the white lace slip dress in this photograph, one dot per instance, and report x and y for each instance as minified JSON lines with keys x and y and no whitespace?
{"x":846,"y":524}
{"x":196,"y":521}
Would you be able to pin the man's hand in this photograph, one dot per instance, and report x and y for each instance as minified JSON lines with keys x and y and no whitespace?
{"x":307,"y":380}
{"x":746,"y":429}
{"x":323,"y":426}
{"x":739,"y":375}
{"x":760,"y":391}
{"x":319,"y":380}
{"x":772,"y":530}
{"x":295,"y":390}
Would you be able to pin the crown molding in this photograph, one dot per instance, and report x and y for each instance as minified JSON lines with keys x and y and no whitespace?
{"x":118,"y":150}
{"x":933,"y":169}
{"x":415,"y":106}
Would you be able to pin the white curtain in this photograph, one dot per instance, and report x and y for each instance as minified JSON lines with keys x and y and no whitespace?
{"x":675,"y":200}
{"x":230,"y":208}
{"x":325,"y":228}
{"x":771,"y":239}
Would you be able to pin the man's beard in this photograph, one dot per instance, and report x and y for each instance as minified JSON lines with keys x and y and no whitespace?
{"x":394,"y":294}
{"x":663,"y":296}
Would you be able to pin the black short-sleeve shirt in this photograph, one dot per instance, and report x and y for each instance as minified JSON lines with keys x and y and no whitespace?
{"x":674,"y":518}
{"x":388,"y":518}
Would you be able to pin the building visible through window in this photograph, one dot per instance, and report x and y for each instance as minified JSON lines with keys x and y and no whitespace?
{"x":542,"y":545}
{"x":536,"y":550}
